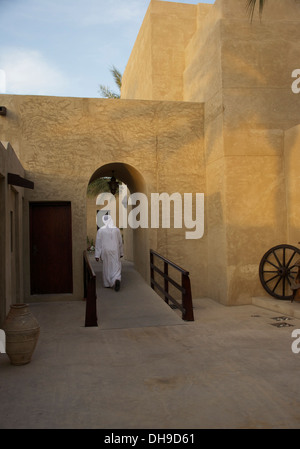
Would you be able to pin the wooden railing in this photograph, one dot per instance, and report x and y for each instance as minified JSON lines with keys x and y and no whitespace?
{"x":186,"y":306}
{"x":89,"y":279}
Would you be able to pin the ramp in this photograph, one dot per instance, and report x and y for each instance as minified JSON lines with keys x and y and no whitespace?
{"x":134,"y":305}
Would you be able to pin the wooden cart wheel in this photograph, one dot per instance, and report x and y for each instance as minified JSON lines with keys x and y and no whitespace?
{"x":277,"y":270}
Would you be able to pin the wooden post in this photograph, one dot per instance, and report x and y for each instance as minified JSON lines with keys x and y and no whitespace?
{"x":151,"y":270}
{"x":89,"y":293}
{"x":91,"y":309}
{"x":188,"y":314}
{"x":166,"y":282}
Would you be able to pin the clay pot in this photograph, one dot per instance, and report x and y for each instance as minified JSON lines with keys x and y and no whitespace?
{"x":22,"y":332}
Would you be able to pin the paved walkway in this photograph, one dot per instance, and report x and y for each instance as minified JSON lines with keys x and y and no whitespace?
{"x":144,"y":368}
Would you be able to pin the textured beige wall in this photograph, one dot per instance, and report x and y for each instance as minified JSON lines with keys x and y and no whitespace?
{"x":292,"y":173}
{"x":157,"y":62}
{"x":11,"y":243}
{"x":63,"y":141}
{"x":203,"y":82}
{"x":189,"y":35}
{"x":137,"y":78}
{"x":242,"y":71}
{"x":202,"y":75}
{"x":258,"y":105}
{"x":276,"y":10}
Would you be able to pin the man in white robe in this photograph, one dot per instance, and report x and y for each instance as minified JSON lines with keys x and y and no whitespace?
{"x":109,"y":248}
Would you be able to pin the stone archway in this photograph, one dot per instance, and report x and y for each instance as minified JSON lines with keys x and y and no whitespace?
{"x":136,"y":241}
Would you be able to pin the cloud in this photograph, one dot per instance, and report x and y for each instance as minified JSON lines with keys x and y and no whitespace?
{"x":27,"y":72}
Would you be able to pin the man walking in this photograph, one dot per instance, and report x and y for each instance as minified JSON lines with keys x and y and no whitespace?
{"x":109,"y":248}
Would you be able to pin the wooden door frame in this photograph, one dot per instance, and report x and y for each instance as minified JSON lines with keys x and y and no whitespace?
{"x":51,"y":204}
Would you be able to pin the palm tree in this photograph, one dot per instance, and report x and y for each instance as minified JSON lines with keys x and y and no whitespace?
{"x":99,"y":185}
{"x":251,"y":4}
{"x":105,"y":91}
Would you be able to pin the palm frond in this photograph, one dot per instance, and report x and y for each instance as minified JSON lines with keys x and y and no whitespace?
{"x":117,"y":76}
{"x":105,"y":92}
{"x":251,"y":4}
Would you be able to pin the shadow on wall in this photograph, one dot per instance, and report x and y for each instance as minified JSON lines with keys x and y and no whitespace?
{"x":249,"y":107}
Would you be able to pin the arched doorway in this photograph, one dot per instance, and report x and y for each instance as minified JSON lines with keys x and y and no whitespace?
{"x":136,"y":241}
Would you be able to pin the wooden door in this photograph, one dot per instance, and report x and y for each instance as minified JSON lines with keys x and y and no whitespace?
{"x":50,"y":248}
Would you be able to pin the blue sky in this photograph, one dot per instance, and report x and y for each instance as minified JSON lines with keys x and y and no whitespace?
{"x":66,"y":47}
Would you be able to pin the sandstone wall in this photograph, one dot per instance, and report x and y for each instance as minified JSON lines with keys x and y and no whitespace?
{"x":157,"y":62}
{"x":259,"y":105}
{"x":242,"y":71}
{"x":292,"y":174}
{"x":11,"y":231}
{"x":155,"y":146}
